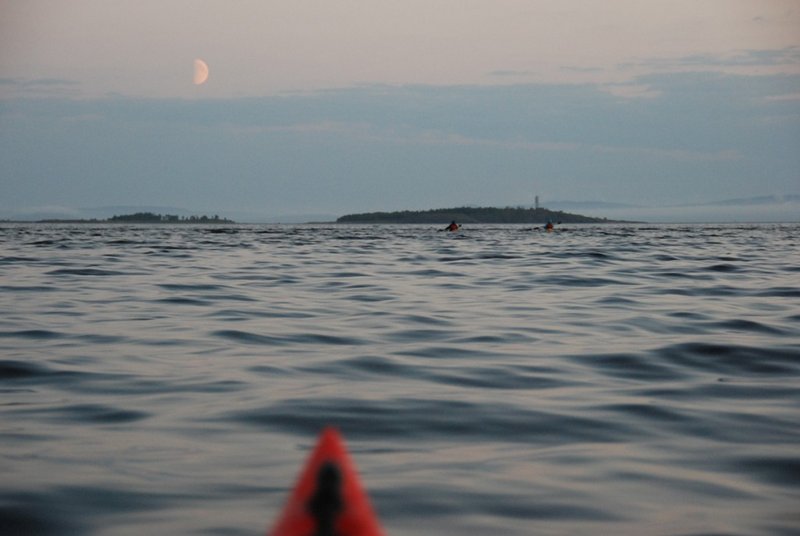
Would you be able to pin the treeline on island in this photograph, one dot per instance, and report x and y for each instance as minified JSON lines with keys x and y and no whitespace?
{"x":471,"y":215}
{"x":149,"y":217}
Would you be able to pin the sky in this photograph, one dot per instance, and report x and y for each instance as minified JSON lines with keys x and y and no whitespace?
{"x":315,"y":109}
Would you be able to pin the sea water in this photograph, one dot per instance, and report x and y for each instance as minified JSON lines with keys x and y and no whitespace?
{"x":627,"y":380}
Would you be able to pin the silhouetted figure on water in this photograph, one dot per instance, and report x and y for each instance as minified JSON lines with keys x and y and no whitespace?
{"x":326,"y":504}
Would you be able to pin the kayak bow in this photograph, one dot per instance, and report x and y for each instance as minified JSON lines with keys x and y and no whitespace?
{"x":328,"y":499}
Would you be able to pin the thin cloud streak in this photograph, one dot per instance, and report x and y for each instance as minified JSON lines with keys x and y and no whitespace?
{"x":365,"y":133}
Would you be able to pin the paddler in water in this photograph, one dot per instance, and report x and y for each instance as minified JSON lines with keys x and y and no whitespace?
{"x":548,"y":226}
{"x":452,"y":227}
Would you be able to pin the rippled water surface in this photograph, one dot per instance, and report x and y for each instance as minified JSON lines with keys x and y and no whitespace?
{"x":597,"y":380}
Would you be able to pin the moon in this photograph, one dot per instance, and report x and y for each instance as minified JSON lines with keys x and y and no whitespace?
{"x":200,"y":72}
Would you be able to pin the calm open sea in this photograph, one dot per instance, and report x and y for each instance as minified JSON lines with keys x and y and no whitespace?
{"x":627,"y":380}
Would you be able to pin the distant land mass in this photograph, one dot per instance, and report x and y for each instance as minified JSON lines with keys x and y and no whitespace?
{"x":472,"y":215}
{"x":146,"y":217}
{"x":764,"y":208}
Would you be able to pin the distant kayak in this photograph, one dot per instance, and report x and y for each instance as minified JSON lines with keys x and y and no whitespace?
{"x":328,"y":499}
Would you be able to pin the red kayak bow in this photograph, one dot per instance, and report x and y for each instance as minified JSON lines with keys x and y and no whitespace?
{"x":328,"y":499}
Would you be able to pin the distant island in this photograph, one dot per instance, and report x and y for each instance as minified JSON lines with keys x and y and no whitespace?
{"x":472,"y":215}
{"x":148,"y":217}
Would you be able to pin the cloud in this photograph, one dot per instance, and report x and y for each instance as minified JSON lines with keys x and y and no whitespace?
{"x":746,"y":58}
{"x":37,"y":87}
{"x":776,"y":60}
{"x":49,"y":82}
{"x":508,"y":73}
{"x":582,"y":69}
{"x":631,"y":90}
{"x":787,"y":97}
{"x":705,"y":213}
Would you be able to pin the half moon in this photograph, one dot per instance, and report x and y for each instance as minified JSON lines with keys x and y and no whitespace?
{"x":200,"y":72}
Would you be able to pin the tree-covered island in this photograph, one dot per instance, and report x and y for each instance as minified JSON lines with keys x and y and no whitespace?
{"x":472,"y":215}
{"x":149,"y":217}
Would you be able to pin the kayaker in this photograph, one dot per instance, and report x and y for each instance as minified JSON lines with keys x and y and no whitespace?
{"x":453,"y":226}
{"x":548,"y":226}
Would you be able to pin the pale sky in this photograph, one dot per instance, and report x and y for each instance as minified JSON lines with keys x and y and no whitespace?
{"x":320,"y":107}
